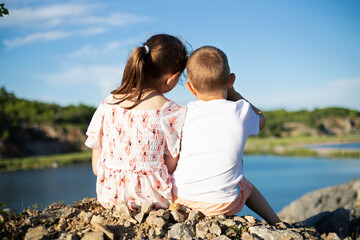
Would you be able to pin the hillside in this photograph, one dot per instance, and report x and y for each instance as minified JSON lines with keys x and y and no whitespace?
{"x":34,"y":128}
{"x":29,"y":128}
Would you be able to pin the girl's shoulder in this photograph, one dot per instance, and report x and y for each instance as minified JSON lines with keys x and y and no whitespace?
{"x":171,"y":107}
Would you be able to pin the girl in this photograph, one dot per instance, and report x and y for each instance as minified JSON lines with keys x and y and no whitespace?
{"x":135,"y":132}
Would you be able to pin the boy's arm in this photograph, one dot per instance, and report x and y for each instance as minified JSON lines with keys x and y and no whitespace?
{"x":235,"y":96}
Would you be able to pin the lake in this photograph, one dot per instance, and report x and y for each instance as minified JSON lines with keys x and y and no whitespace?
{"x":280,"y":179}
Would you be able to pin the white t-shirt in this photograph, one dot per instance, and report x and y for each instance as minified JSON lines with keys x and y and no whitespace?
{"x":214,"y":136}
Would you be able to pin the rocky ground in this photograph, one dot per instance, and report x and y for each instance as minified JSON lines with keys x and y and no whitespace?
{"x":86,"y":219}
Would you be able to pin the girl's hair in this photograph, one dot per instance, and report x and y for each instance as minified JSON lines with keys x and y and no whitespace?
{"x":160,"y":54}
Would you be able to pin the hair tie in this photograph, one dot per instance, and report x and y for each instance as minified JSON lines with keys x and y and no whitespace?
{"x":147,"y":49}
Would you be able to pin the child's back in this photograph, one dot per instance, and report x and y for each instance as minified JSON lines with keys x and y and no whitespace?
{"x":214,"y":135}
{"x":131,"y":164}
{"x":209,"y":176}
{"x":135,"y":132}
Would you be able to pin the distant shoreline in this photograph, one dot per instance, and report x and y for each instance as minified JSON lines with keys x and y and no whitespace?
{"x":299,"y":146}
{"x":286,"y":146}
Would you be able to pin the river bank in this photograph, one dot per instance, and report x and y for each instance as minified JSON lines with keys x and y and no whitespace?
{"x":300,"y":146}
{"x":284,"y":146}
{"x":87,"y":219}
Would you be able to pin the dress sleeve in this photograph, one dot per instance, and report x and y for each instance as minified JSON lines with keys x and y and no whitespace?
{"x":94,"y":131}
{"x":248,"y":117}
{"x":172,"y":122}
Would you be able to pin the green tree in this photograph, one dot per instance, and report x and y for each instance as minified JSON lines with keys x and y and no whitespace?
{"x":3,"y":10}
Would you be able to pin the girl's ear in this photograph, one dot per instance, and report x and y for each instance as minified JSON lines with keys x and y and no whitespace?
{"x":232,"y":80}
{"x":171,"y":81}
{"x":191,"y":88}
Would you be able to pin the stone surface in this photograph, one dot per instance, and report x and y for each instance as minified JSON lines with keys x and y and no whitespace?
{"x":87,"y":219}
{"x":271,"y":234}
{"x":328,"y":199}
{"x":37,"y":233}
{"x":180,"y":231}
{"x":93,"y":236}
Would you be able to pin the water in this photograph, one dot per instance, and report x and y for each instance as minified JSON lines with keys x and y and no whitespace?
{"x":280,"y":179}
{"x":341,"y":146}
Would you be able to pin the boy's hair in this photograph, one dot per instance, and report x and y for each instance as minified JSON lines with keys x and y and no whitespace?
{"x":208,"y":69}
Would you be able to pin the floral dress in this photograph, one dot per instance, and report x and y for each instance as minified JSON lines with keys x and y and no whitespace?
{"x":131,"y":165}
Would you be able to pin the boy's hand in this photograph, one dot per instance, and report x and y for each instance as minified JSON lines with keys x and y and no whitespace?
{"x":233,"y":95}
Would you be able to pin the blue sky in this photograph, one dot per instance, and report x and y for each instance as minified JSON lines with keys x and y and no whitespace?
{"x":285,"y":54}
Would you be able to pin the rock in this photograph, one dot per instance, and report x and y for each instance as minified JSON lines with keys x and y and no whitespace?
{"x":193,"y":216}
{"x":332,"y":236}
{"x":61,"y":225}
{"x":122,"y":211}
{"x":87,"y":216}
{"x":139,"y":217}
{"x":97,"y":219}
{"x":247,"y":236}
{"x":323,"y":200}
{"x":201,"y":230}
{"x":8,"y":211}
{"x":105,"y":230}
{"x":271,"y":234}
{"x":65,"y":236}
{"x":337,"y":222}
{"x":180,"y":231}
{"x":155,"y":221}
{"x":222,"y":237}
{"x":250,"y":219}
{"x":93,"y":236}
{"x":2,"y":218}
{"x":178,"y":217}
{"x":174,"y":206}
{"x":228,"y":222}
{"x":37,"y":233}
{"x":87,"y":219}
{"x":146,"y":207}
{"x":160,"y":213}
{"x":215,"y":229}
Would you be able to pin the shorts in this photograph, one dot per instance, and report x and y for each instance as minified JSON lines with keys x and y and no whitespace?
{"x":211,"y":209}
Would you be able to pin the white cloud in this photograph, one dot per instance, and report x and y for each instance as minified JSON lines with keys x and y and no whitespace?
{"x":78,"y":19}
{"x":90,"y":51}
{"x":49,"y":16}
{"x":105,"y":78}
{"x":67,"y":14}
{"x":51,"y":36}
{"x":42,"y":37}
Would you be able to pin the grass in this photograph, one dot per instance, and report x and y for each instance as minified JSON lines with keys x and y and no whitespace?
{"x":285,"y":146}
{"x":38,"y":162}
{"x":296,"y":146}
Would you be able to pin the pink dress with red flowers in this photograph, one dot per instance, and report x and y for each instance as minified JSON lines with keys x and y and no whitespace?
{"x":131,"y":165}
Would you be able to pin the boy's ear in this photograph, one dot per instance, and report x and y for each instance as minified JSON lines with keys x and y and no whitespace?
{"x":232,"y":80}
{"x":191,"y":88}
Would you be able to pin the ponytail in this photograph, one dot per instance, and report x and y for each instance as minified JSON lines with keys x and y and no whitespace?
{"x":160,"y":54}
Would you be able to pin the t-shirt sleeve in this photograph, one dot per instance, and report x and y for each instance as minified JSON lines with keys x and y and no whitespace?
{"x":172,"y":122}
{"x":248,"y":117}
{"x":94,"y":131}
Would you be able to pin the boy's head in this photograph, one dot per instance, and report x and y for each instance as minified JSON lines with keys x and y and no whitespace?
{"x":208,"y":70}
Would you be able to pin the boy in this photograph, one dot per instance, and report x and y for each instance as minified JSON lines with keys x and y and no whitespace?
{"x":216,"y":127}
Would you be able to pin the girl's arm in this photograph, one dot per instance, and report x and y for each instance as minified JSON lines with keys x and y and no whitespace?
{"x":235,"y":96}
{"x":95,"y":158}
{"x":171,"y":162}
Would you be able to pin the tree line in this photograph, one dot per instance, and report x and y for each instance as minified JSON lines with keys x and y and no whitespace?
{"x":18,"y":113}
